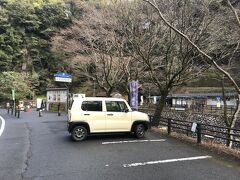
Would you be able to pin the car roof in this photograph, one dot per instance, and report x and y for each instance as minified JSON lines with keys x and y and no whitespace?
{"x":100,"y":98}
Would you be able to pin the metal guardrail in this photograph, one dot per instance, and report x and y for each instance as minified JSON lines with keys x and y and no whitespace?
{"x":202,"y":130}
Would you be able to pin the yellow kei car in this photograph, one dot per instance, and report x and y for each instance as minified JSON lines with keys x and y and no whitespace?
{"x":104,"y":115}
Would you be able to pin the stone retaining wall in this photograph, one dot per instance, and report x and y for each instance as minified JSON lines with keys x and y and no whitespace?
{"x":210,"y":119}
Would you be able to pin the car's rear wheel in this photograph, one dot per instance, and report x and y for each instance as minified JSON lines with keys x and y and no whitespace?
{"x":79,"y":133}
{"x":139,"y":130}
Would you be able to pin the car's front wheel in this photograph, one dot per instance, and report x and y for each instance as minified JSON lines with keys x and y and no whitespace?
{"x":79,"y":133}
{"x":139,"y":130}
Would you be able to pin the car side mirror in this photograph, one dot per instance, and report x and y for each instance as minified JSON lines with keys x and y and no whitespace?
{"x":126,"y":110}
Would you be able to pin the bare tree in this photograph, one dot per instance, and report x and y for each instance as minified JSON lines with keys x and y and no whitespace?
{"x":98,"y":50}
{"x":207,"y":57}
{"x":95,"y":48}
{"x":167,"y":60}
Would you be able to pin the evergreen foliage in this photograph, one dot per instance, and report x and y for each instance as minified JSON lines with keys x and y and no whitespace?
{"x":26,"y":28}
{"x":13,"y":80}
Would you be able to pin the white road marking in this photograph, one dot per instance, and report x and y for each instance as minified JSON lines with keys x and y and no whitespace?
{"x":165,"y":161}
{"x":2,"y":126}
{"x":134,"y":141}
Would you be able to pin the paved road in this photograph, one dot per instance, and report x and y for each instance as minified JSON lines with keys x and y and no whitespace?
{"x":40,"y":148}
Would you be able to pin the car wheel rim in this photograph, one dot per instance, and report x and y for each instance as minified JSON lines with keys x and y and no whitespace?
{"x":140,"y":130}
{"x":79,"y":133}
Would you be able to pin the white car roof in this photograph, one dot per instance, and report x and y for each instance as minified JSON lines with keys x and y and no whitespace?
{"x":100,"y":98}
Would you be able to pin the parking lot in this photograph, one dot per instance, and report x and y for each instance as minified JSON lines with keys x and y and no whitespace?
{"x":35,"y":147}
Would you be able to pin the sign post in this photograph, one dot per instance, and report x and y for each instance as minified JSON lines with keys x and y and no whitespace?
{"x":13,"y":94}
{"x":218,"y":102}
{"x":194,"y":127}
{"x":63,"y":77}
{"x":13,"y":98}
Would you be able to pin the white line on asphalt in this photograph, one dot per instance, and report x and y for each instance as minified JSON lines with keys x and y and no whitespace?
{"x":134,"y":141}
{"x":165,"y":161}
{"x":2,"y":126}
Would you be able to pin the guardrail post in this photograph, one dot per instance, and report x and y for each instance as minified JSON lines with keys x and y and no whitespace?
{"x":59,"y":113}
{"x":169,"y":126}
{"x":199,"y":138}
{"x":18,"y":113}
{"x":15,"y":111}
{"x":40,"y":112}
{"x":228,"y":137}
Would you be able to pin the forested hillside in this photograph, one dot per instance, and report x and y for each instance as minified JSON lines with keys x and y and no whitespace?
{"x":26,"y":60}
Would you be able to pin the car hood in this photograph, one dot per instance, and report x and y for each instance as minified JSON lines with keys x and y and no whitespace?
{"x":140,"y":116}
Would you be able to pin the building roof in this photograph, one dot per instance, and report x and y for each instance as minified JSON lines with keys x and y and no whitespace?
{"x":201,"y":95}
{"x":56,"y":89}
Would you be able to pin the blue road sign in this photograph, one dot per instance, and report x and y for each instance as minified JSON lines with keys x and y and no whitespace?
{"x":62,"y":75}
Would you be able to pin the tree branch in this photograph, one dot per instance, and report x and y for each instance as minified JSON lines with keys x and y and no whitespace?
{"x":209,"y":58}
{"x":234,"y":12}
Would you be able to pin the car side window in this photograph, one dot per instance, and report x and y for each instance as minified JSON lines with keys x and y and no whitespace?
{"x":123,"y":106}
{"x":116,"y":106}
{"x":92,"y":106}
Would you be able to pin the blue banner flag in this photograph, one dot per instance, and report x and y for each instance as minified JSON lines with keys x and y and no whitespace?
{"x":133,"y":86}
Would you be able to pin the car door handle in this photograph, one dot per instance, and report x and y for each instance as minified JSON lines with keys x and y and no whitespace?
{"x":86,"y":114}
{"x":110,"y":114}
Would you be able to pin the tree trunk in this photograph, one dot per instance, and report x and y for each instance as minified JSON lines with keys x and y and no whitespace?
{"x":108,"y":93}
{"x":129,"y":97}
{"x":233,"y":121}
{"x":158,"y":111}
{"x":229,"y":137}
{"x":225,"y":112}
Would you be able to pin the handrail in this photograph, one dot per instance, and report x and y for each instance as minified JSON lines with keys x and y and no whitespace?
{"x":202,"y":129}
{"x":220,"y":127}
{"x":203,"y":124}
